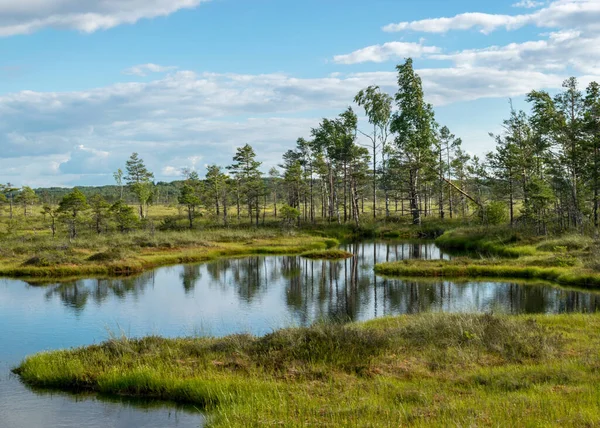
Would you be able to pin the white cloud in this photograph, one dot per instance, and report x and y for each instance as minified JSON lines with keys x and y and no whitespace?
{"x":171,"y":171}
{"x":385,"y":52}
{"x":180,"y":119}
{"x":144,"y":69}
{"x":576,"y":14}
{"x":528,"y":4}
{"x":28,"y":16}
{"x":561,"y":51}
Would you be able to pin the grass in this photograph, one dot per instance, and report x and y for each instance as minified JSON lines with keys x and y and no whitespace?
{"x":571,"y":260}
{"x":423,"y":370}
{"x":27,"y":248}
{"x":124,"y":254}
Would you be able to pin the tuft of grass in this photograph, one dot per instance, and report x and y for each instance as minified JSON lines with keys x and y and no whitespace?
{"x":566,"y":243}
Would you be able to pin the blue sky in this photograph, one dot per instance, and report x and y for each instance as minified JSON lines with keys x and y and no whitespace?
{"x":83,"y":83}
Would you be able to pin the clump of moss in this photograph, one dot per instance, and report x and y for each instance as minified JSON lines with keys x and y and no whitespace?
{"x":327,"y":255}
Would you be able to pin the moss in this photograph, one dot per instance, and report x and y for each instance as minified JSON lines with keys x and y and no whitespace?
{"x":327,"y":255}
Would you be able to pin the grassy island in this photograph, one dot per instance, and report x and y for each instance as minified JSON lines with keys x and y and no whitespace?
{"x":423,"y":370}
{"x":572,"y":260}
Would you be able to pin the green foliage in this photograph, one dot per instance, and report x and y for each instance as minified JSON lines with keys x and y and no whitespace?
{"x":124,"y":216}
{"x":494,"y":214}
{"x":139,"y":179}
{"x":190,"y":198}
{"x":413,"y":125}
{"x":71,"y":206}
{"x":289,"y":215}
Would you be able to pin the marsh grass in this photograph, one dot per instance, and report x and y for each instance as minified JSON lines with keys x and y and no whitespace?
{"x":126,"y":254}
{"x":570,"y":260}
{"x":424,"y":370}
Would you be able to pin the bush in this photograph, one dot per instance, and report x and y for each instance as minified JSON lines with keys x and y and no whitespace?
{"x":494,"y":214}
{"x":289,"y":215}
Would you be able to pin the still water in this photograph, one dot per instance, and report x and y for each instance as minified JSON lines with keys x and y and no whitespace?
{"x":252,"y":294}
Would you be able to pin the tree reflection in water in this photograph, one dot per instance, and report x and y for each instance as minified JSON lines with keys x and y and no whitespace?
{"x":76,"y":294}
{"x":333,"y":290}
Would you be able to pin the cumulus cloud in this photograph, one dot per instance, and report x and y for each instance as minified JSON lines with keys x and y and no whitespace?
{"x":574,"y":14}
{"x":561,"y":51}
{"x":183,"y":118}
{"x":145,"y":69}
{"x":385,"y":52}
{"x":28,"y":16}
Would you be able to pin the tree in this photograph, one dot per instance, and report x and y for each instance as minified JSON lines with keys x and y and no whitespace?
{"x":118,"y":176}
{"x":215,"y":186}
{"x":289,"y":216}
{"x":8,"y":191}
{"x":592,"y":130}
{"x":190,"y":199}
{"x":413,"y":125}
{"x":247,"y":174}
{"x":124,"y":216}
{"x":569,"y":132}
{"x":26,"y":198}
{"x":3,"y":198}
{"x":446,"y":146}
{"x":139,"y":180}
{"x":99,"y":208}
{"x":71,"y":207}
{"x":378,"y":108}
{"x":47,"y":210}
{"x":275,"y":177}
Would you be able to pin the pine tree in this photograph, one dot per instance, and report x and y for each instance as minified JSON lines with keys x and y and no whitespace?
{"x":139,"y":180}
{"x":71,"y":206}
{"x":248,"y":176}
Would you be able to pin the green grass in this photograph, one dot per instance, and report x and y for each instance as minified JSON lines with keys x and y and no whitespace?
{"x":571,"y":260}
{"x":473,"y":269}
{"x":424,"y":370}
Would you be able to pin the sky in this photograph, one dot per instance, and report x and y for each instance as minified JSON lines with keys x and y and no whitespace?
{"x":84,"y":83}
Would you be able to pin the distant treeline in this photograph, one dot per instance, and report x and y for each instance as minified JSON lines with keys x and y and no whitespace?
{"x":166,"y":193}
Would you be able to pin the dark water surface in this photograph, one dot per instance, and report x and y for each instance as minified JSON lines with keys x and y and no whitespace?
{"x":253,"y":294}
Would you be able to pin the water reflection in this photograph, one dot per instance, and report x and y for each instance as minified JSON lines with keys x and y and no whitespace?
{"x":77,"y":294}
{"x":307,"y":290}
